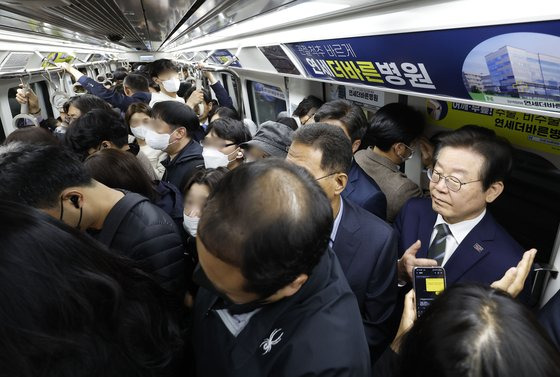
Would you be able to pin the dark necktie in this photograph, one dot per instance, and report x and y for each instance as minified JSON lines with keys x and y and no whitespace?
{"x":437,"y":248}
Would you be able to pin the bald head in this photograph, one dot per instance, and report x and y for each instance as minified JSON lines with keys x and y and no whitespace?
{"x":271,"y":220}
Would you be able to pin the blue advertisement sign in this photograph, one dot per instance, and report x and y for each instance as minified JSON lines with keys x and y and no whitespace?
{"x":224,"y":56}
{"x":517,"y":64}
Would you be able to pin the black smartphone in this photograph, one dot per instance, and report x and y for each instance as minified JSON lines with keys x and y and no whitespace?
{"x":428,"y":283}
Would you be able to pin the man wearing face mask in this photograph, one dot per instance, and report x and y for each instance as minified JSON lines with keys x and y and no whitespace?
{"x":173,"y":125}
{"x":392,"y":138}
{"x":52,"y":179}
{"x":165,"y":73}
{"x":222,"y":143}
{"x":135,"y":88}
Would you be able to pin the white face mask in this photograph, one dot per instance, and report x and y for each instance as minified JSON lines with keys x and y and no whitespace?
{"x":157,"y":141}
{"x":171,"y":85}
{"x":190,"y":223}
{"x":213,"y":158}
{"x":140,"y":131}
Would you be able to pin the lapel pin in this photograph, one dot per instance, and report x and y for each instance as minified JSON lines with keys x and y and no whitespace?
{"x":477,"y":247}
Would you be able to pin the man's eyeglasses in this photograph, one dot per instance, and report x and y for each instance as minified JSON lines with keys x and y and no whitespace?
{"x":411,"y":151}
{"x":452,"y":183}
{"x":325,"y":176}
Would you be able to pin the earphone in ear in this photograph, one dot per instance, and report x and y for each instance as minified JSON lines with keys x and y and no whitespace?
{"x":75,"y":199}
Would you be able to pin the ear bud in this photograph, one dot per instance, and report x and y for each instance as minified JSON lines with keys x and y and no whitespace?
{"x":75,"y":199}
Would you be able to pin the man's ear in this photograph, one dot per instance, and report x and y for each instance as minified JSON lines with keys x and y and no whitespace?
{"x":356,"y":145}
{"x":340,"y":179}
{"x":74,"y":194}
{"x":106,"y":144}
{"x":292,"y":288}
{"x":240,"y":153}
{"x":494,"y":191}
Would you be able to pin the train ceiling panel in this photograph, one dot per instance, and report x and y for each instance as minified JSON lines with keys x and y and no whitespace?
{"x":153,"y":25}
{"x":136,"y":24}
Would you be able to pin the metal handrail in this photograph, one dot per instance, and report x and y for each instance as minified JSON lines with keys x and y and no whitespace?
{"x":226,"y":69}
{"x":35,"y":71}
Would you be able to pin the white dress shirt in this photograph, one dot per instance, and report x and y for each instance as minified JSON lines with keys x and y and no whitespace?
{"x":336,"y":223}
{"x":458,"y":233}
{"x":161,"y":97}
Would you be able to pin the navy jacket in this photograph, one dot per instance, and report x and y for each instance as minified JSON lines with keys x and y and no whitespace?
{"x":222,"y":96}
{"x":366,"y":247}
{"x":316,"y":332}
{"x":549,"y":316}
{"x":179,"y":170}
{"x":116,"y":99}
{"x":484,"y":256}
{"x":362,"y":190}
{"x":145,"y":233}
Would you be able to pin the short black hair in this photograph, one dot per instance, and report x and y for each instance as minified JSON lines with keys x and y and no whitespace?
{"x":36,"y":175}
{"x":306,"y":105}
{"x":87,"y":102}
{"x":162,"y":65}
{"x":71,"y":306}
{"x":474,"y":330}
{"x":183,"y":88}
{"x":177,"y":115}
{"x":336,"y":149}
{"x":119,"y":75}
{"x":230,"y":129}
{"x":395,"y":123}
{"x":92,"y":128}
{"x":288,"y":121}
{"x":350,"y":115}
{"x":32,"y":135}
{"x":207,"y":177}
{"x":224,"y":112}
{"x":496,"y":151}
{"x":120,"y":170}
{"x":271,"y":220}
{"x":136,"y":82}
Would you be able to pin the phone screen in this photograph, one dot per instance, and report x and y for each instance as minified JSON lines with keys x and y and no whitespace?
{"x":429,"y":282}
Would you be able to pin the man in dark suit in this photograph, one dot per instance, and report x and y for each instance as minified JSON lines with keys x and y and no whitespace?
{"x":365,"y":245}
{"x":549,"y":317}
{"x":360,"y":189}
{"x":454,"y":228}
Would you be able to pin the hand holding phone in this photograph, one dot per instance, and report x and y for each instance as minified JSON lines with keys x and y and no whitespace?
{"x":428,"y":283}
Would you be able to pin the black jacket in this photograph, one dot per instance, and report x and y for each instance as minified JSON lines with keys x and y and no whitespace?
{"x":181,"y":168}
{"x":145,"y":233}
{"x":549,"y":316}
{"x":316,"y":332}
{"x":366,"y":247}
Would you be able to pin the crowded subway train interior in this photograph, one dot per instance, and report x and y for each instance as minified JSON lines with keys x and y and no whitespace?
{"x":265,"y":71}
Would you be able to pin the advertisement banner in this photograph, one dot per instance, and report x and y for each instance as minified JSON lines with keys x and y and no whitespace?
{"x":222,"y":57}
{"x":529,"y":131}
{"x":517,"y":64}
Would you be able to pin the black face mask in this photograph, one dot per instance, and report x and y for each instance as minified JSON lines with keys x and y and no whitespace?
{"x":224,"y":302}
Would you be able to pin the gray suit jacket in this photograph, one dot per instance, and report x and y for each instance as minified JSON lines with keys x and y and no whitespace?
{"x":394,"y":184}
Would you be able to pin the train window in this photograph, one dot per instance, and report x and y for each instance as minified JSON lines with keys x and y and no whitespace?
{"x":42,"y":90}
{"x":2,"y":134}
{"x":15,"y":107}
{"x":266,"y":101}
